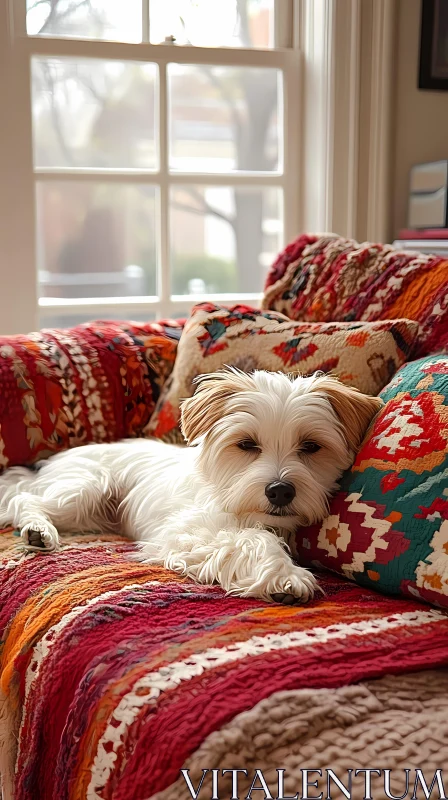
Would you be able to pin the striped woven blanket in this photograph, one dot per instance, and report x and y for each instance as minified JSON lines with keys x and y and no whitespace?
{"x":115,"y":675}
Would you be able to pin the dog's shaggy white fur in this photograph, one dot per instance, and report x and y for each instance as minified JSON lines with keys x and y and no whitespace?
{"x":265,"y":453}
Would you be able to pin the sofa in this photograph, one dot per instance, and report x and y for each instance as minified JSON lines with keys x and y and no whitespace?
{"x":125,"y":681}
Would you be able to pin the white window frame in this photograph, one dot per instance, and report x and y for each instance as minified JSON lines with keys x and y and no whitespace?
{"x":21,"y":309}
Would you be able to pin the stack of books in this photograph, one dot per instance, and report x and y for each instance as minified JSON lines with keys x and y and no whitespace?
{"x":427,"y":210}
{"x":425,"y":240}
{"x":423,"y":233}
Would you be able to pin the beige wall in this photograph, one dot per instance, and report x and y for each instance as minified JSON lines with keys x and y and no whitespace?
{"x":421,"y":116}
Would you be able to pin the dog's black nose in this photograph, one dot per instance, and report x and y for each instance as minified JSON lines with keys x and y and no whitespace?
{"x":280,"y":493}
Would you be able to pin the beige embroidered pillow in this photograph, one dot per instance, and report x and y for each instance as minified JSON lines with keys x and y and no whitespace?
{"x":362,"y":354}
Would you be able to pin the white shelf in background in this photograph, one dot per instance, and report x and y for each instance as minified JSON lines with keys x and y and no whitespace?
{"x":437,"y":246}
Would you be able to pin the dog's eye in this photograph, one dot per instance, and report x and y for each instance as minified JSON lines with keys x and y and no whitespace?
{"x":248,"y":444}
{"x":309,"y":447}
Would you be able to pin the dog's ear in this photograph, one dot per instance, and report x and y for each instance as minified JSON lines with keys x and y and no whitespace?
{"x":208,"y":405}
{"x":354,"y":409}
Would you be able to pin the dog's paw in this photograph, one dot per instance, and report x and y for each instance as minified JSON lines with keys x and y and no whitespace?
{"x":40,"y":536}
{"x":297,"y":585}
{"x":285,"y":599}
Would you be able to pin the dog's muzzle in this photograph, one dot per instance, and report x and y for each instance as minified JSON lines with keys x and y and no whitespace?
{"x":280,"y":493}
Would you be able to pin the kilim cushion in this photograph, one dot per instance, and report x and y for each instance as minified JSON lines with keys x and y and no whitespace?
{"x":97,"y":382}
{"x":388,"y":526}
{"x":364,"y":355}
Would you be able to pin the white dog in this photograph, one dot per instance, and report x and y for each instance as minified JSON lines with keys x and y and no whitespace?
{"x":266,"y":451}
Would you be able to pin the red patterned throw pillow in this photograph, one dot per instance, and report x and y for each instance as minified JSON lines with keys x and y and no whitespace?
{"x":364,"y":355}
{"x":327,"y":278}
{"x":388,"y":526}
{"x":97,"y":382}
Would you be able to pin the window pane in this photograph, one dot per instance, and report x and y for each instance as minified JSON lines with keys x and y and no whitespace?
{"x":96,"y":239}
{"x":94,"y":113}
{"x":224,"y":118}
{"x":96,"y":19}
{"x":223,"y":239}
{"x":57,"y":320}
{"x":213,"y":23}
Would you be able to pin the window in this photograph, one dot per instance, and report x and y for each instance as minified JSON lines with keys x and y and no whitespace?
{"x":164,"y":151}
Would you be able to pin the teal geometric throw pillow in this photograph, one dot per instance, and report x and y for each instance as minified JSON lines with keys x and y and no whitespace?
{"x":388,"y":526}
